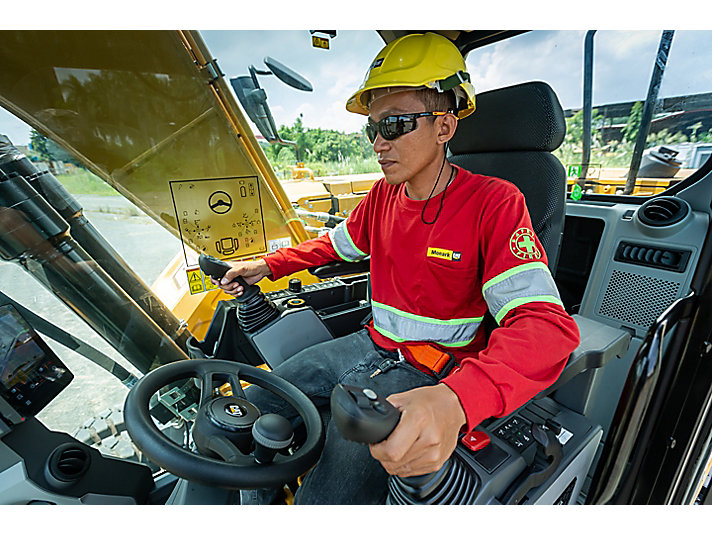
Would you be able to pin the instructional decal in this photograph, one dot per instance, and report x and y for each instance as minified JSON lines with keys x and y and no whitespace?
{"x":523,"y":245}
{"x":220,"y":216}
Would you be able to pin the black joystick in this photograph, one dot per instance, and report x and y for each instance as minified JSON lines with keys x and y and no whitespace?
{"x":216,"y":268}
{"x":272,"y":433}
{"x":363,"y":416}
{"x":253,"y":309}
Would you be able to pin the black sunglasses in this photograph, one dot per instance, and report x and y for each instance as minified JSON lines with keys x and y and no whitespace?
{"x":396,"y":125}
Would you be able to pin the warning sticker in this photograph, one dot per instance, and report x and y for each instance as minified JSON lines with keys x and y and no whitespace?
{"x":199,"y":281}
{"x":208,"y":284}
{"x":195,"y":281}
{"x":221,"y":217}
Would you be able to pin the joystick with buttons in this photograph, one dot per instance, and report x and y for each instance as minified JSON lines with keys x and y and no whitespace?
{"x":361,"y":415}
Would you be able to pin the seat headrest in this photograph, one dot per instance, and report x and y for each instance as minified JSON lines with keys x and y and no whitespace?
{"x":525,"y":117}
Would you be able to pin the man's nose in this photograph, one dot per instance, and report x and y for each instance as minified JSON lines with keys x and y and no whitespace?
{"x":380,"y":144}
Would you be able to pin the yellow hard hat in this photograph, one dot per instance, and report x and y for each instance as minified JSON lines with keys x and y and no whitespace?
{"x":417,"y":60}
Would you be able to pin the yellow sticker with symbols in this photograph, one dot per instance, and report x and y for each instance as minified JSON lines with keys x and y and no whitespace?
{"x":198,"y":281}
{"x":220,"y":216}
{"x":320,"y":42}
{"x":195,"y":281}
{"x":208,"y":284}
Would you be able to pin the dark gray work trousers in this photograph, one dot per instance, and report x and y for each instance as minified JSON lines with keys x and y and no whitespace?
{"x":346,"y":473}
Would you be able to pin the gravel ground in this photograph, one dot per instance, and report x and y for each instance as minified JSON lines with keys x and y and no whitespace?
{"x":147,"y":248}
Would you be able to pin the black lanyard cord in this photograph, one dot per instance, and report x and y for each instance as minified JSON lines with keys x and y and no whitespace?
{"x":442,"y":198}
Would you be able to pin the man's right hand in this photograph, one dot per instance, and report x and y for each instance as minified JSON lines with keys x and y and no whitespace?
{"x":251,"y":271}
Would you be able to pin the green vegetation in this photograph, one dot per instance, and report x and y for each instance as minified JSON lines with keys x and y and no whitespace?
{"x":78,"y":181}
{"x":325,"y":152}
{"x":83,"y":182}
{"x":618,"y":153}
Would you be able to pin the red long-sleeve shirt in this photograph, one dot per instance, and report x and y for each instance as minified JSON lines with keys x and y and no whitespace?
{"x":434,"y":283}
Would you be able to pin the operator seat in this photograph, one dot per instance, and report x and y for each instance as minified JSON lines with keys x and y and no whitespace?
{"x":511,"y":136}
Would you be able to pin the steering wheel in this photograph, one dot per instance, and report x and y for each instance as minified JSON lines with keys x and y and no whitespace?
{"x":226,"y":423}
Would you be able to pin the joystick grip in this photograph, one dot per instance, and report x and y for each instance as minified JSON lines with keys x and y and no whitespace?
{"x":361,"y":415}
{"x":216,"y":268}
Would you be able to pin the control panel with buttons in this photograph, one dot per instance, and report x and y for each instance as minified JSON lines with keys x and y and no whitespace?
{"x":516,"y":431}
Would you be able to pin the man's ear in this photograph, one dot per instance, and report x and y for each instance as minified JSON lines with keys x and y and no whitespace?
{"x":447,"y":128}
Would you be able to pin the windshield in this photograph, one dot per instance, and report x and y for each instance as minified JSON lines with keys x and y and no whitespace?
{"x":679,"y":138}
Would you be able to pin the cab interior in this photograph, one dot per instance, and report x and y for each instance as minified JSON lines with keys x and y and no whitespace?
{"x":627,"y":422}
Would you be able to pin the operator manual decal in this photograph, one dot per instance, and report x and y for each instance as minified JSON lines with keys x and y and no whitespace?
{"x":220,"y":216}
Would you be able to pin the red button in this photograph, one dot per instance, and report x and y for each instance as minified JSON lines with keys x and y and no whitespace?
{"x":475,"y":440}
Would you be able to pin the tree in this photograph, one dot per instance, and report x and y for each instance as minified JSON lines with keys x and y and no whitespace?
{"x":39,"y":143}
{"x":48,"y":150}
{"x":630,"y":130}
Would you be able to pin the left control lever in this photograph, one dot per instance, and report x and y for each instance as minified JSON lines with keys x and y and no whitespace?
{"x":216,"y":268}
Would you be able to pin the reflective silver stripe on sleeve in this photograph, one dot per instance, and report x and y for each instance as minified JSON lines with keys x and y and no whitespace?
{"x":344,"y":245}
{"x":530,"y":282}
{"x":402,"y":326}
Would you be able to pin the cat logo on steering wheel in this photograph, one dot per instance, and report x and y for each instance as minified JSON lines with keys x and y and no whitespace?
{"x":235,"y":410}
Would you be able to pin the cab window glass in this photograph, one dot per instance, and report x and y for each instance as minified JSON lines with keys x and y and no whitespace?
{"x":680,"y":136}
{"x":90,"y":407}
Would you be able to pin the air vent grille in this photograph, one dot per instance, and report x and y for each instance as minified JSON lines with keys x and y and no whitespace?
{"x":656,"y":257}
{"x":637,"y":299}
{"x":68,"y":463}
{"x":663,"y":211}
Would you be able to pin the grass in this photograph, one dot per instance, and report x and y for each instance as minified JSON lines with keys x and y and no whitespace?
{"x":83,"y":182}
{"x":331,"y":168}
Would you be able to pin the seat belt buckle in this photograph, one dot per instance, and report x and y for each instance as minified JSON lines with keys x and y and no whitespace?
{"x":446,"y":369}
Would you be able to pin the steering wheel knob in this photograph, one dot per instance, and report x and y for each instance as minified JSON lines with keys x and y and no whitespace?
{"x":272,"y":433}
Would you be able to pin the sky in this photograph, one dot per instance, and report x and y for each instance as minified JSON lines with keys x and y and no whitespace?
{"x":623,"y":64}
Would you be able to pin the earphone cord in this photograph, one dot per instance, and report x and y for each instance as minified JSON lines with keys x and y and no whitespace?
{"x":442,"y":198}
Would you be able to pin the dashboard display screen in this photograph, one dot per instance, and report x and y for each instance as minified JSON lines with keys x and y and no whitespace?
{"x":31,"y":374}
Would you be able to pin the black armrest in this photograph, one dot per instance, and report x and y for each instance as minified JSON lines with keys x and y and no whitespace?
{"x":341,"y":268}
{"x":599,"y":344}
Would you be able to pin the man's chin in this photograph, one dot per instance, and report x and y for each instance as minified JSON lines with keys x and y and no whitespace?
{"x":392,"y":178}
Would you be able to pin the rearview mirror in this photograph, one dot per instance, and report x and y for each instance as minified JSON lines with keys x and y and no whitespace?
{"x":253,"y":98}
{"x":287,"y":75}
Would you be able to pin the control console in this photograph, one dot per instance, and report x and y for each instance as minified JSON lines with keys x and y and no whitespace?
{"x":274,"y":326}
{"x":538,"y":455}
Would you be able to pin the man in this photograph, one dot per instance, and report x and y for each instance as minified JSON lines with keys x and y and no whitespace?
{"x":446,"y":246}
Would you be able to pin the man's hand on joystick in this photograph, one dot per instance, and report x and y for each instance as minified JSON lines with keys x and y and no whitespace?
{"x":225,"y":274}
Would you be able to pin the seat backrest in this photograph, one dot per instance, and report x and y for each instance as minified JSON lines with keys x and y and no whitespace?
{"x":511,"y":136}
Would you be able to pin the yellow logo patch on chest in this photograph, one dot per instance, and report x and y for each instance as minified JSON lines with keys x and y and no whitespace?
{"x":444,"y":254}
